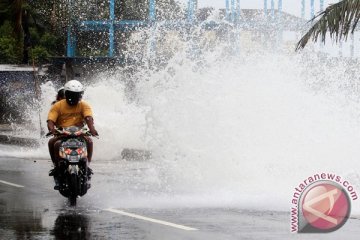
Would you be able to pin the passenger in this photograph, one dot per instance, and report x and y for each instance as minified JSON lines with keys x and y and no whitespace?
{"x":60,"y":95}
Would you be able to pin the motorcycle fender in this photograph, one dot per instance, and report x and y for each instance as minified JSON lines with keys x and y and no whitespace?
{"x":73,"y":169}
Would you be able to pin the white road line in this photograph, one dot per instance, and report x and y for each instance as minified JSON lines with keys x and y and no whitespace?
{"x":11,"y":184}
{"x":151,"y":219}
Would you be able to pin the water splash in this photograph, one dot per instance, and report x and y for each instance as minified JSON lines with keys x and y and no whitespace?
{"x":251,"y":125}
{"x":225,"y":127}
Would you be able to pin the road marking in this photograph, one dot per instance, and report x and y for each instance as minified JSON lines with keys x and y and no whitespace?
{"x":151,"y":219}
{"x":11,"y":184}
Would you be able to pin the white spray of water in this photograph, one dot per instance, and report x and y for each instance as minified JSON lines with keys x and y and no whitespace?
{"x":121,"y":123}
{"x":247,"y":130}
{"x":227,"y":130}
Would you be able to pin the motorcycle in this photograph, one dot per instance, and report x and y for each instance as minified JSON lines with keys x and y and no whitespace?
{"x":74,"y":175}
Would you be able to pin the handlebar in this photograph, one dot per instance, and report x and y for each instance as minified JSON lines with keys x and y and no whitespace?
{"x":61,"y":132}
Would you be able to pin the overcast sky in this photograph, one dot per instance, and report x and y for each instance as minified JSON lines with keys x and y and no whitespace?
{"x":291,"y":6}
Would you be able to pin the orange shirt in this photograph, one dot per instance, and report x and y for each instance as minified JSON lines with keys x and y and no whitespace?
{"x":64,"y":115}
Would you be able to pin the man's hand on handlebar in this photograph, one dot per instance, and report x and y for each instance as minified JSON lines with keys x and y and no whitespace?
{"x":94,"y":132}
{"x":51,"y":127}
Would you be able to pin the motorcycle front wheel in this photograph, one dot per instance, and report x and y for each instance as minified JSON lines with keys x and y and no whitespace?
{"x":73,"y":189}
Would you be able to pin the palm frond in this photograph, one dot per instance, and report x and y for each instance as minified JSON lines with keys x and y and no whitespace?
{"x":338,"y":20}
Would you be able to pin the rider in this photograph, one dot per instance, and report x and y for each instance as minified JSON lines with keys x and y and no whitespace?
{"x":71,"y":111}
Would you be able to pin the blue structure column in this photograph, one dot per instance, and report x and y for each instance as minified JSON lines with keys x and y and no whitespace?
{"x":312,"y":8}
{"x":279,"y":22}
{"x":303,"y":9}
{"x":152,"y":11}
{"x":70,"y":48}
{"x":227,"y":9}
{"x":238,"y":11}
{"x":111,"y":28}
{"x":71,"y":40}
{"x":265,"y":7}
{"x":68,"y":42}
{"x":280,"y":5}
{"x":152,"y":19}
{"x":279,"y":8}
{"x":232,"y":10}
{"x":272,"y":8}
{"x":191,"y":11}
{"x":321,"y":5}
{"x":238,"y":30}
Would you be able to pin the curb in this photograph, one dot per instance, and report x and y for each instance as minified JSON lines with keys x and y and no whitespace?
{"x":21,"y":141}
{"x":127,"y":154}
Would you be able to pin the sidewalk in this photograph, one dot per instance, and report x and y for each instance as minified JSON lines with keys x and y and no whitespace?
{"x":5,"y":128}
{"x":8,"y":136}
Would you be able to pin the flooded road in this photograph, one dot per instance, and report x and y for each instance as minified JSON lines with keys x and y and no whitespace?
{"x":31,"y":209}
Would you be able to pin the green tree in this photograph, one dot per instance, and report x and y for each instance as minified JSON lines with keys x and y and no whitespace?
{"x":36,"y":28}
{"x":9,"y":52}
{"x":18,"y":12}
{"x":338,"y":20}
{"x":39,"y":27}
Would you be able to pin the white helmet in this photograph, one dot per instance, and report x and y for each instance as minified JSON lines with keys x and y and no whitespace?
{"x":73,"y":92}
{"x":74,"y":86}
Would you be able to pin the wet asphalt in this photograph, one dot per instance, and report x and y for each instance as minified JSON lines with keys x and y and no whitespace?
{"x":36,"y":211}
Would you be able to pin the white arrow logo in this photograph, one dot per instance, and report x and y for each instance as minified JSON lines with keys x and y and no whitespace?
{"x":330,"y":195}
